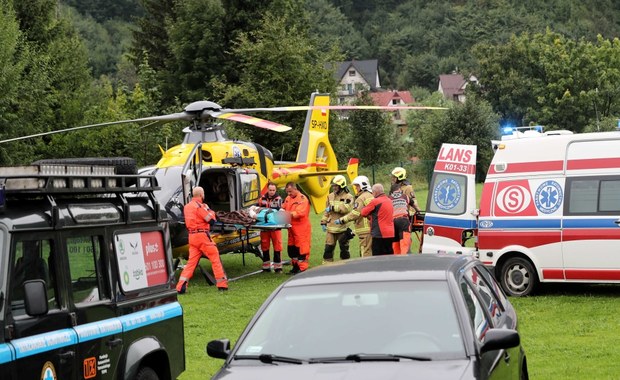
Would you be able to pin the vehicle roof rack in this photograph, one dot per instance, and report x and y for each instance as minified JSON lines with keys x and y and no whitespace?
{"x":71,"y":179}
{"x":58,"y":180}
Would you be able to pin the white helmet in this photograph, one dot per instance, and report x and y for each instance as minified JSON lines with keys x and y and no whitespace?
{"x":363,"y":182}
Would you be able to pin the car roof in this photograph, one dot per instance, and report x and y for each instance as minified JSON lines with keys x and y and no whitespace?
{"x":383,"y":268}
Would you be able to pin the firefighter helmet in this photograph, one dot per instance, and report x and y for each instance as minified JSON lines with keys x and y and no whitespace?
{"x":363,"y":182}
{"x":340,"y":181}
{"x":399,"y":173}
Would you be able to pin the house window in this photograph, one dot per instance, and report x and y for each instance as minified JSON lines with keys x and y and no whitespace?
{"x":351,"y":73}
{"x":395,"y":102}
{"x":350,"y":88}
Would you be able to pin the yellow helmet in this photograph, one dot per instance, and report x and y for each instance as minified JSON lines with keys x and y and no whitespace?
{"x":339,"y":181}
{"x":399,"y":173}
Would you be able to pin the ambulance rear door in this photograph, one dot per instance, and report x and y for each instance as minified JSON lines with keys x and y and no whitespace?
{"x":450,"y":218}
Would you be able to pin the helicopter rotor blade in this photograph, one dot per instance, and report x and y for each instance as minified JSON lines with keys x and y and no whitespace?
{"x":153,"y":119}
{"x":335,"y":108}
{"x":255,"y":121}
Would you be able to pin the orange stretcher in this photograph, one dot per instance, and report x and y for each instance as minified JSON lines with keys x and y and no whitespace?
{"x":417,"y":227}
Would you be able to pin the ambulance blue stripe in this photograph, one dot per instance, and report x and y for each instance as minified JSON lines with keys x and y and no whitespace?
{"x":98,"y":330}
{"x":590,"y":223}
{"x":536,"y":224}
{"x":531,"y":224}
{"x":150,"y":316}
{"x":6,"y":353}
{"x":40,"y":343}
{"x":449,"y":222}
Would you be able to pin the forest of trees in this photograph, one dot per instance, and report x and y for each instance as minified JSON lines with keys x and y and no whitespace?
{"x":72,"y":63}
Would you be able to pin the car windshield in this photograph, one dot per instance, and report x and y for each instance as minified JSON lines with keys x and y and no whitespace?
{"x":335,"y":321}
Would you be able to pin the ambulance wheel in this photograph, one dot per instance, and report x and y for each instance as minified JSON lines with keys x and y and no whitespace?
{"x":518,"y":277}
{"x":147,"y":373}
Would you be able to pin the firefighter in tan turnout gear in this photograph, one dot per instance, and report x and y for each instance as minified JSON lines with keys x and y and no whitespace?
{"x":339,"y":204}
{"x":363,"y":196}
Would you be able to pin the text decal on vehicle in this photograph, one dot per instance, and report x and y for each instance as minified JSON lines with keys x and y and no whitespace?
{"x":141,"y":259}
{"x":454,"y":158}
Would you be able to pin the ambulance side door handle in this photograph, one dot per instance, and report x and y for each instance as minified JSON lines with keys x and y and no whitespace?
{"x":617,"y":222}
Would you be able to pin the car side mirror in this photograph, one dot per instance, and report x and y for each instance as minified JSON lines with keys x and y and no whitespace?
{"x":219,"y":348}
{"x":35,"y":297}
{"x":500,"y":339}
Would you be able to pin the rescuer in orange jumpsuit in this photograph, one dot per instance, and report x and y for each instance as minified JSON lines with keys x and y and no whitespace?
{"x":300,"y":232}
{"x":271,"y":200}
{"x":198,"y":217}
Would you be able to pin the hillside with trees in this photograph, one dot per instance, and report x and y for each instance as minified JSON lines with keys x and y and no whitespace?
{"x":73,"y":63}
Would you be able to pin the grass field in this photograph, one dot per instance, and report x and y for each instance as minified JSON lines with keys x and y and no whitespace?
{"x":569,"y":332}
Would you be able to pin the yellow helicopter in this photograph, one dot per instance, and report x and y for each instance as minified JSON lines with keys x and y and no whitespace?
{"x":234,"y":174}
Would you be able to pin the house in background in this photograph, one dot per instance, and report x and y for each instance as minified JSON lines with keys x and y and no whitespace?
{"x":394,"y":98}
{"x":452,"y":86}
{"x":355,"y":76}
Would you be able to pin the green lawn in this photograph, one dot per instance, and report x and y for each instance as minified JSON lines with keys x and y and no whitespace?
{"x":569,"y":332}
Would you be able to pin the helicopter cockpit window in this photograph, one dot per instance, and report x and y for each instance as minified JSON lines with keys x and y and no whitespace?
{"x":250,"y":189}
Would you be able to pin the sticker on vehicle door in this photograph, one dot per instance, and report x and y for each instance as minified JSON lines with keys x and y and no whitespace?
{"x":447,"y":194}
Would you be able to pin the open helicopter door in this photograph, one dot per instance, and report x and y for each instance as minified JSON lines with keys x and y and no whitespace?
{"x":190,"y":175}
{"x":451,"y":214}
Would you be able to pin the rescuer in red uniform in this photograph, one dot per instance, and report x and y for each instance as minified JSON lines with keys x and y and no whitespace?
{"x":198,"y":219}
{"x":381,"y":213}
{"x":300,"y":232}
{"x":271,"y":200}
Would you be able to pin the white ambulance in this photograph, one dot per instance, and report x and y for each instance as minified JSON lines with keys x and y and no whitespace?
{"x":549,"y":209}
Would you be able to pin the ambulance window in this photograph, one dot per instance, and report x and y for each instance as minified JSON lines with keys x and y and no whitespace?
{"x":33,"y":260}
{"x":583,"y":196}
{"x":448,"y":194}
{"x":610,"y":196}
{"x":592,"y":196}
{"x":87,"y":269}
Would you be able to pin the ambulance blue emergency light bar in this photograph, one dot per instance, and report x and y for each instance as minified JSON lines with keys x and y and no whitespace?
{"x":509,"y":132}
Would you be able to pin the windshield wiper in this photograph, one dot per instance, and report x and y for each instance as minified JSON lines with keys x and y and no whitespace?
{"x":269,"y":358}
{"x":369,"y":358}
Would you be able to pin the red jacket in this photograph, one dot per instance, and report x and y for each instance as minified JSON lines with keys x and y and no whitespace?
{"x":381,"y":212}
{"x":275,"y":202}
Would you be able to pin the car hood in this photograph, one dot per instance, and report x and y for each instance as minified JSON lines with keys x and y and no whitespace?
{"x":440,"y":369}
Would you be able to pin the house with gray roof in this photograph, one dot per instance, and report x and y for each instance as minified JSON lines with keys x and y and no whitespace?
{"x":355,"y":76}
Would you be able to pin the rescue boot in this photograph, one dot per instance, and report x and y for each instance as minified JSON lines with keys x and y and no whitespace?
{"x":182,"y":287}
{"x":328,"y":254}
{"x":277,"y":262}
{"x":303,"y":262}
{"x":266,"y":266}
{"x":344,"y":250}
